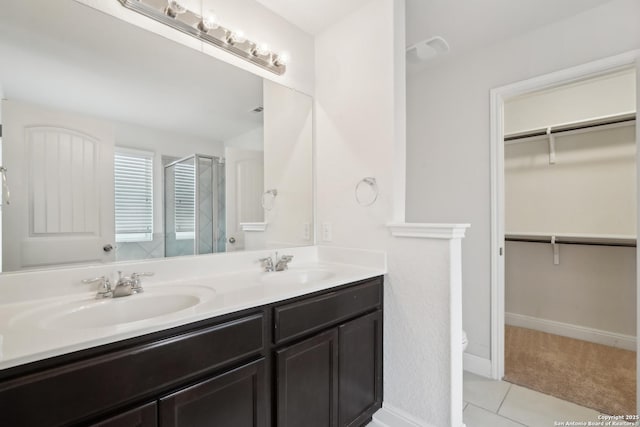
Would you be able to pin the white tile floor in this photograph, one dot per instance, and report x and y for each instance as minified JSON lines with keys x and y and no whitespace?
{"x":490,"y":403}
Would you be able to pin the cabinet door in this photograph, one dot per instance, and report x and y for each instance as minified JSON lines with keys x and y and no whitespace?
{"x":144,"y":416}
{"x":233,"y":399}
{"x":307,"y":389}
{"x":360,"y":391}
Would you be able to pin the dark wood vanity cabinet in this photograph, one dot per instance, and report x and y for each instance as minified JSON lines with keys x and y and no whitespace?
{"x":360,"y":379}
{"x":314,"y":360}
{"x":143,"y":416}
{"x":333,"y":378}
{"x":80,"y":390}
{"x":307,"y":382}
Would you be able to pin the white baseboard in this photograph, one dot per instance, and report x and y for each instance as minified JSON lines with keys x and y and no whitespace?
{"x":390,"y":416}
{"x":477,"y":365}
{"x":626,"y":342}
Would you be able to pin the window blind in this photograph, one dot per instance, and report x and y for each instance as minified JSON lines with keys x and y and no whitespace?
{"x":133,"y":195}
{"x":185,"y":187}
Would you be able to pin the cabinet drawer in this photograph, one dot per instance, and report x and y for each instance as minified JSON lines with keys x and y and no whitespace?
{"x":312,"y":314}
{"x":88,"y":388}
{"x":234,"y":399}
{"x":144,"y":416}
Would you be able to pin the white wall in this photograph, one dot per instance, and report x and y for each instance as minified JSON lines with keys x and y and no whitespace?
{"x":258,"y":23}
{"x":448,"y":147}
{"x":591,"y":188}
{"x":593,"y":286}
{"x":358,"y":124}
{"x":162,"y":143}
{"x":602,"y":96}
{"x":288,"y":156}
{"x":252,"y":140}
{"x":355,"y":123}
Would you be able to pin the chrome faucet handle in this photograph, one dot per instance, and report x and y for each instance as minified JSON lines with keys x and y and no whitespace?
{"x":104,"y":287}
{"x":267,"y":263}
{"x":136,"y":281}
{"x":283,"y":262}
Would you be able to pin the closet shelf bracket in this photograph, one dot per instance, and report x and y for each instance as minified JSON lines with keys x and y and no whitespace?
{"x":552,"y":147}
{"x":556,"y":251}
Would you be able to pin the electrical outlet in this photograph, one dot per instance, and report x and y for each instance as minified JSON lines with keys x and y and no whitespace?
{"x":327,"y":234}
{"x":306,"y":231}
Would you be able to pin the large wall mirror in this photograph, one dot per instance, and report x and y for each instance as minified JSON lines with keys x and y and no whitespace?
{"x":121,"y":145}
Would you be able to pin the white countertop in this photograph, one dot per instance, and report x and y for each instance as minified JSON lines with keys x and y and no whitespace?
{"x":24,"y":339}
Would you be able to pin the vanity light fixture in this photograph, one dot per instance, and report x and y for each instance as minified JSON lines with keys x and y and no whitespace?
{"x":207,"y":28}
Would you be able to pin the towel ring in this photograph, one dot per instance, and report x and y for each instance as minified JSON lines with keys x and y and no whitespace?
{"x":366,"y":183}
{"x":269,"y":199}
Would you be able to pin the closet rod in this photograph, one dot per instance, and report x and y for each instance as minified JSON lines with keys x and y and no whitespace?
{"x":607,"y":121}
{"x":561,"y":241}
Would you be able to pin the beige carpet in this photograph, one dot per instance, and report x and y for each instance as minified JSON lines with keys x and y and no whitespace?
{"x":591,"y":375}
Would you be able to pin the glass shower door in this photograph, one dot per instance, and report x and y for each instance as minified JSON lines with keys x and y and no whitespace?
{"x":194,"y":206}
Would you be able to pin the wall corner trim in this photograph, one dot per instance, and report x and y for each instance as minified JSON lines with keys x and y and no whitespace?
{"x":477,"y":365}
{"x":428,"y":230}
{"x":390,"y":416}
{"x":253,"y":226}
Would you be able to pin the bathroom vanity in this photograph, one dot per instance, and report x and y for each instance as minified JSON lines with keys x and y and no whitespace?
{"x":311,"y":360}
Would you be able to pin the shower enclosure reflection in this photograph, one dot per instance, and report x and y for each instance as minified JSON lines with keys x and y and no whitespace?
{"x":194,"y":203}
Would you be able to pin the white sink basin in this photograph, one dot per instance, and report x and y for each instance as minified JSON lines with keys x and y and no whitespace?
{"x":295,"y":276}
{"x":92,"y":313}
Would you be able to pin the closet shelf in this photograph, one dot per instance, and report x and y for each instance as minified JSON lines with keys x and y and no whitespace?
{"x":626,"y":119}
{"x":573,"y":239}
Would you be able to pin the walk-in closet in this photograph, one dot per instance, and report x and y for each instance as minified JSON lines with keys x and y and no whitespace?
{"x":570,"y":242}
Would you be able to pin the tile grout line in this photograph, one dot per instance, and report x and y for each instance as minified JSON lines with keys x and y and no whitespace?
{"x":498,"y":415}
{"x":504,"y":398}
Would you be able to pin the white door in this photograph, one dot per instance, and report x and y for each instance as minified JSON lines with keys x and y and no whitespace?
{"x":244,"y":176}
{"x":60,"y":170}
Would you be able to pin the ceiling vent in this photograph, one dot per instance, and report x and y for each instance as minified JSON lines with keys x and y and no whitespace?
{"x":427,"y":49}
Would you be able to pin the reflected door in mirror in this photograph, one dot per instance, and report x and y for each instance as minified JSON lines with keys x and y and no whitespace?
{"x":61,"y":210}
{"x":245,"y":184}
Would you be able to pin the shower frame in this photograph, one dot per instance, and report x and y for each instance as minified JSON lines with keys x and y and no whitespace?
{"x":215,"y":160}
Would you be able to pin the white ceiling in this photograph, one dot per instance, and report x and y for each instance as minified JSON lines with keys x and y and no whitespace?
{"x":465,"y":24}
{"x":63,"y":54}
{"x":470,"y":24}
{"x":312,"y":16}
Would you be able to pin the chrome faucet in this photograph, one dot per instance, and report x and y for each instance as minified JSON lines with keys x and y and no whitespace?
{"x":104,"y":287}
{"x":125,"y":286}
{"x":280,"y":264}
{"x":267,"y":264}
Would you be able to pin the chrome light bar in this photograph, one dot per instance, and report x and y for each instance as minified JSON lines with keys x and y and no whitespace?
{"x":171,"y":13}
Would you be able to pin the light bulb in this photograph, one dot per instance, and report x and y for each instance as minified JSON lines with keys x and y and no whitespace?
{"x":238,"y":37}
{"x":210,"y":21}
{"x":262,"y":49}
{"x":282,"y":59}
{"x":174,"y":8}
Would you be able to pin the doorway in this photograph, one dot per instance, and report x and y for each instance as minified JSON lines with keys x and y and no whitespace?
{"x":548,"y":241}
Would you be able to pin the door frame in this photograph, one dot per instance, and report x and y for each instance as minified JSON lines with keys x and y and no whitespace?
{"x":498,"y":96}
